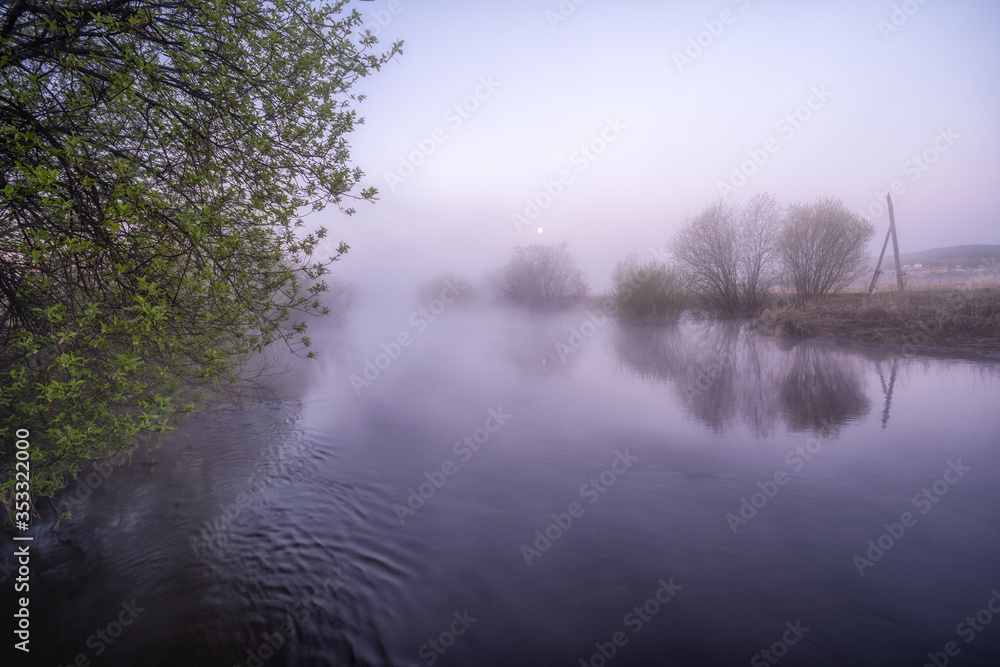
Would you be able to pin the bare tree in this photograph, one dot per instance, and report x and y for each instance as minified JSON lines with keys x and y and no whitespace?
{"x":540,"y":276}
{"x":824,"y":246}
{"x":760,"y":222}
{"x":730,"y":251}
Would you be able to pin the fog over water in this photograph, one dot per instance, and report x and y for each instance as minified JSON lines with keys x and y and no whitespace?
{"x":461,"y":482}
{"x":518,"y":489}
{"x":598,"y":115}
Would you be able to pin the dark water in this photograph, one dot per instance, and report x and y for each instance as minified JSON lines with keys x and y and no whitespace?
{"x":300,"y":521}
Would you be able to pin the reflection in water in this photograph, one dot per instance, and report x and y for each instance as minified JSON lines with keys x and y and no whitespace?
{"x":822,"y":391}
{"x":887,"y":389}
{"x":725,"y":375}
{"x":549,"y":346}
{"x":270,"y":534}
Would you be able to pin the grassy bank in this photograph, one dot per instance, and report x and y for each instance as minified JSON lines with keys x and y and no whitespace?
{"x":947,"y":317}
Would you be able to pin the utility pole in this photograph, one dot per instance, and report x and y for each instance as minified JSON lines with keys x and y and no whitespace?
{"x":895,"y":251}
{"x":895,"y":244}
{"x":878,"y":267}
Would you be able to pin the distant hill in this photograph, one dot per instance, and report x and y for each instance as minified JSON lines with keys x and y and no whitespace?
{"x":967,"y":256}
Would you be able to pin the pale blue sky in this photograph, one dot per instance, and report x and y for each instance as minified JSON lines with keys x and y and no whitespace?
{"x":677,"y":130}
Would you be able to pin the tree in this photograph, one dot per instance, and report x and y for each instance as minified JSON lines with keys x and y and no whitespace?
{"x":540,"y":276}
{"x":648,"y":292}
{"x":729,"y":252}
{"x":824,"y":247}
{"x":156,"y":157}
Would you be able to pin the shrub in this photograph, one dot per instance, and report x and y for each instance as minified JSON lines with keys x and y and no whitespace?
{"x":824,"y":247}
{"x":646,"y":293}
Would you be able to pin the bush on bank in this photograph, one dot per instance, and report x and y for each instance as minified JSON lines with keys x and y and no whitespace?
{"x":649,"y":293}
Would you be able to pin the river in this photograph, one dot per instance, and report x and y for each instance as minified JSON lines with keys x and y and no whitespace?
{"x":510,"y":489}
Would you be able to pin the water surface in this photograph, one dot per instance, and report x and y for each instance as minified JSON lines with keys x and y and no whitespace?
{"x":522,"y":490}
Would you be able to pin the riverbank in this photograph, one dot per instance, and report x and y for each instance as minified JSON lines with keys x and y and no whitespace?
{"x":967,"y":317}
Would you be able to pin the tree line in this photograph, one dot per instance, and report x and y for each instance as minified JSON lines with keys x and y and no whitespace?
{"x":729,"y":258}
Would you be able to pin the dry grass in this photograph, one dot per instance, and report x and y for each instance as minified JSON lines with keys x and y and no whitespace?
{"x":952,"y":316}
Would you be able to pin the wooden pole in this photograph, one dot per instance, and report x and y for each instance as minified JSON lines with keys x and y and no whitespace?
{"x":895,"y":244}
{"x":878,"y":267}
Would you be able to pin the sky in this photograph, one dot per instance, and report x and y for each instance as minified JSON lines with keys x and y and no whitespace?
{"x":608,"y":124}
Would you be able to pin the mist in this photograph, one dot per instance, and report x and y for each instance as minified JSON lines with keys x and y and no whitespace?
{"x":490,"y":104}
{"x":664,"y":468}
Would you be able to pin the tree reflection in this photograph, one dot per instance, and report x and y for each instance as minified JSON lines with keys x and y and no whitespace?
{"x":725,"y":376}
{"x":823,"y":390}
